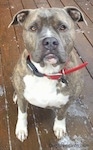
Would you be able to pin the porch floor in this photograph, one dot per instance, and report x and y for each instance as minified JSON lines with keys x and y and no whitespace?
{"x":40,"y":121}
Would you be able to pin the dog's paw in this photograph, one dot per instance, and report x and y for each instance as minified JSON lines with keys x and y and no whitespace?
{"x":15,"y":98}
{"x":21,"y":131}
{"x":59,"y":128}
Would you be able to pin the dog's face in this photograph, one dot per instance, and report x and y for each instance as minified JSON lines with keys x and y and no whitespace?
{"x":48,"y":33}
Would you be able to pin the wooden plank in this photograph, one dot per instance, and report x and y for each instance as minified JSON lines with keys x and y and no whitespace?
{"x":87,"y":92}
{"x":55,"y":3}
{"x":29,"y":4}
{"x":44,"y":119}
{"x":5,"y":51}
{"x":5,"y":142}
{"x":88,"y":95}
{"x":15,"y":5}
{"x":87,"y":31}
{"x":4,"y":136}
{"x":85,"y":50}
{"x":1,"y":78}
{"x":41,"y":3}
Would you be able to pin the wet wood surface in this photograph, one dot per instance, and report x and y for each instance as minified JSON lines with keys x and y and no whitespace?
{"x":40,"y":121}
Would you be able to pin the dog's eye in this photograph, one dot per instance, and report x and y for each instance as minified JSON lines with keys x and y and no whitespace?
{"x":33,"y":28}
{"x":62,"y":27}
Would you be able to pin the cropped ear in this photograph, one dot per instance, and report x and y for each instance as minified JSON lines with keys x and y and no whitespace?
{"x":75,"y":13}
{"x":19,"y":17}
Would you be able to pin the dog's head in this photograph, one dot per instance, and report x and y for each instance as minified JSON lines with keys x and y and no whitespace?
{"x":48,"y":33}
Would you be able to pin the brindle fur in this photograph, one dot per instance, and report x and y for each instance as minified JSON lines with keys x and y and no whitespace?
{"x":44,"y":19}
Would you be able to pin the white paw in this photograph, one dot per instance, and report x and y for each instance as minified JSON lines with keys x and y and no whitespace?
{"x":14,"y":98}
{"x":21,"y":127}
{"x":21,"y":131}
{"x":59,"y":128}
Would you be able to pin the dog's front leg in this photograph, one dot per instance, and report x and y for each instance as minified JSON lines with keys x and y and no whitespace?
{"x":59,"y":127}
{"x":21,"y":126}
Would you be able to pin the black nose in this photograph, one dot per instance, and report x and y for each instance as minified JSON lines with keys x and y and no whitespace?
{"x":50,"y":43}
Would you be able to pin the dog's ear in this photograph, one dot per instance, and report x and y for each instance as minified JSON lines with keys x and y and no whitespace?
{"x":19,"y":17}
{"x":75,"y":13}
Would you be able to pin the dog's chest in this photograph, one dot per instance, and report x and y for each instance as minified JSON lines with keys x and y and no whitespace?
{"x":42,"y":92}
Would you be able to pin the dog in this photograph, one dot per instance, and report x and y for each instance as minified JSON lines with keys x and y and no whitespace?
{"x":42,"y":75}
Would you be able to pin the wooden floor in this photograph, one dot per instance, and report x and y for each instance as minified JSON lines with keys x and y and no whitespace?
{"x":80,"y":114}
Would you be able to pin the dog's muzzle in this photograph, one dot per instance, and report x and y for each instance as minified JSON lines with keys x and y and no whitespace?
{"x":50,"y":44}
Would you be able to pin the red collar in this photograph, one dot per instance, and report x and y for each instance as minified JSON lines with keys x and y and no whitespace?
{"x":56,"y":76}
{"x":66,"y":71}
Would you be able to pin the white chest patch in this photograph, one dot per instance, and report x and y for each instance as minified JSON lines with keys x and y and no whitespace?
{"x":42,"y":92}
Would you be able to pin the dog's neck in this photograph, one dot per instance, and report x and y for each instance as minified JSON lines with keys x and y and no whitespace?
{"x":51,"y":72}
{"x":47,"y":69}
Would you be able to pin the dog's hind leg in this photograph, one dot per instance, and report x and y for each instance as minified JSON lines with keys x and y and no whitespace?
{"x":21,"y":126}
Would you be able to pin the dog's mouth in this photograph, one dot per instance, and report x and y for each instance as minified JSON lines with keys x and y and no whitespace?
{"x":51,"y":59}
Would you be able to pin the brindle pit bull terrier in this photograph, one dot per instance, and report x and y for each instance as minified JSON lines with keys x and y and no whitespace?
{"x":40,"y":75}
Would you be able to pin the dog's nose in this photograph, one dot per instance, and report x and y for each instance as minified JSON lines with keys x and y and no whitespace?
{"x":50,"y":43}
